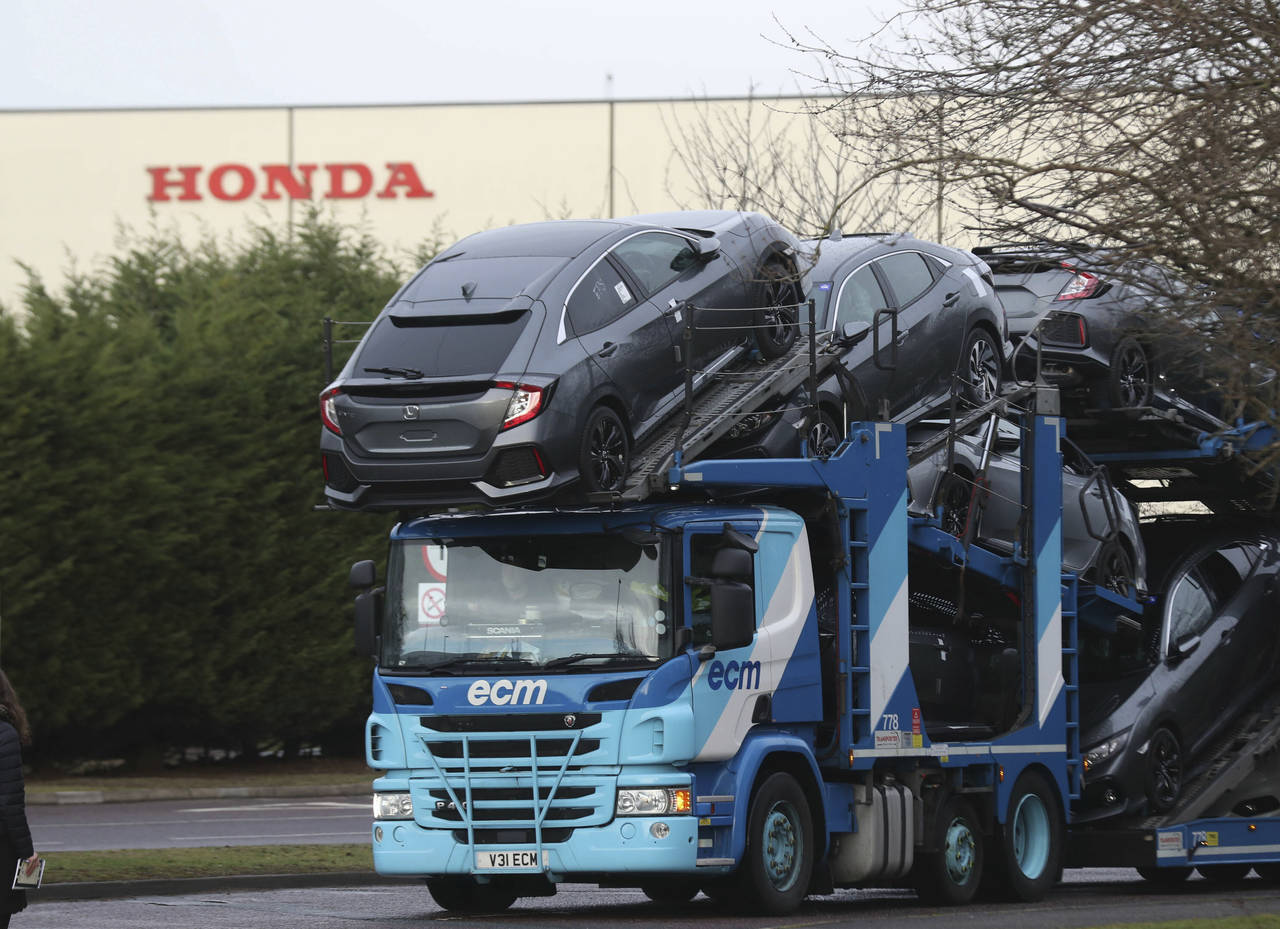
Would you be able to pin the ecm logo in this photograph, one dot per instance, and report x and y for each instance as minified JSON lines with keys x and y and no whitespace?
{"x":734,"y":675}
{"x":504,"y":692}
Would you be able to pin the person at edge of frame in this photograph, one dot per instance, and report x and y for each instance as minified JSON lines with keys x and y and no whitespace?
{"x":15,"y":834}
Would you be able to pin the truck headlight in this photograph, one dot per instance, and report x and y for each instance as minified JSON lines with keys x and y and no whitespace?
{"x":653,"y":801}
{"x":397,"y":805}
{"x":1105,"y":750}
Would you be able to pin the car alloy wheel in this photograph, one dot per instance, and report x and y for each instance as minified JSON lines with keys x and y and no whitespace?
{"x":824,"y":436}
{"x":605,"y":458}
{"x":982,"y":367}
{"x":1115,"y":570}
{"x":1130,"y":377}
{"x":1164,"y":781}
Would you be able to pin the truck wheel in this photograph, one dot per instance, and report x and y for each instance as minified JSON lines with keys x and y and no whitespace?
{"x":1165,"y":877}
{"x":1029,"y":845}
{"x":466,"y":895}
{"x":1224,"y":873}
{"x":980,"y":366}
{"x":1164,"y":771}
{"x":1130,"y":375}
{"x":776,"y":320}
{"x":778,"y":861}
{"x":605,"y":456}
{"x":672,"y":892}
{"x":951,"y":875}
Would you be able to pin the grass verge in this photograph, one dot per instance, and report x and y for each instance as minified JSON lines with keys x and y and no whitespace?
{"x":300,"y":773}
{"x":140,"y":864}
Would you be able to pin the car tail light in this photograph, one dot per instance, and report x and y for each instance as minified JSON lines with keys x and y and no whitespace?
{"x":1082,"y":285}
{"x":526,"y":403}
{"x":329,"y":410}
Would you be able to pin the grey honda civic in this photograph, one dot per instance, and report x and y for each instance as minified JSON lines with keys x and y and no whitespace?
{"x":527,"y":358}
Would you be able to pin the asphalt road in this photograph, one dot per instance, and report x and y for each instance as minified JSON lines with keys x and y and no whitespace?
{"x":1086,"y":898}
{"x":190,"y":823}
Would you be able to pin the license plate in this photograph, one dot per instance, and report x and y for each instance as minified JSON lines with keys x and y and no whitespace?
{"x":511,"y":860}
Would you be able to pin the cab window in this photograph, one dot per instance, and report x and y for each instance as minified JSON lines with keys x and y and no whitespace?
{"x":702,"y":553}
{"x":656,"y":259}
{"x":600,"y":297}
{"x":909,"y":276}
{"x":860,"y":297}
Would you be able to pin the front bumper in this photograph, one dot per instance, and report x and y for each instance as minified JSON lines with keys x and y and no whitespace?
{"x":624,"y":845}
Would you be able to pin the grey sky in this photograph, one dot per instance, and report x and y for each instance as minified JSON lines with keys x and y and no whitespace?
{"x":143,"y":53}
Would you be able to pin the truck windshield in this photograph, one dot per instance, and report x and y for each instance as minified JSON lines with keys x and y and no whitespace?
{"x":575,"y":602}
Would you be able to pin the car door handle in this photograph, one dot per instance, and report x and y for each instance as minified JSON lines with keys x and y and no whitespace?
{"x":950,"y":299}
{"x":609,"y":349}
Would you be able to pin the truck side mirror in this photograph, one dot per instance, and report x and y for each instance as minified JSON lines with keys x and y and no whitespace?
{"x":363,"y":574}
{"x":368,"y":609}
{"x":733,"y":614}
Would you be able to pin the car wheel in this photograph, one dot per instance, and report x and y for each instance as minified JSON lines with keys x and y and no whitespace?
{"x":1164,"y":771}
{"x":824,"y":435}
{"x":774,"y":874}
{"x":1030,"y":843}
{"x":672,"y":892}
{"x":954,"y":497}
{"x":1224,"y":873}
{"x":980,"y":366}
{"x":605,"y":457}
{"x":1115,"y":570}
{"x":951,"y":875}
{"x":776,"y":320}
{"x":1165,"y":877}
{"x":1130,"y":378}
{"x":465,"y":895}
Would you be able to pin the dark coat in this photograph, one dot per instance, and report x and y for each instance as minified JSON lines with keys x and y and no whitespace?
{"x":15,"y":834}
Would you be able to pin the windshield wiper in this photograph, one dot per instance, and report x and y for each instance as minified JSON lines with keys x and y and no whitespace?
{"x":587,"y":656}
{"x":488,"y":660}
{"x":407,"y":373}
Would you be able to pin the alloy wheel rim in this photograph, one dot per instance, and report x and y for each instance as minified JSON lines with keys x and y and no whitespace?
{"x":983,"y":369}
{"x":1167,"y":771}
{"x":781,"y":846}
{"x":1134,"y":382}
{"x":821,"y":437}
{"x":608,"y":449}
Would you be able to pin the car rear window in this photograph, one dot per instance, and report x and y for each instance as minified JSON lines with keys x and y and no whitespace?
{"x":442,"y":346}
{"x":493,"y":278}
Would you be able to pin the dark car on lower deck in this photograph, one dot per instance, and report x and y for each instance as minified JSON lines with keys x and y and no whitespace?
{"x":522,"y":359}
{"x":1157,"y":689}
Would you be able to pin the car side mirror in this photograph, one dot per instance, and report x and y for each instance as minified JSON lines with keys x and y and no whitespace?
{"x":707,"y":248}
{"x":855,"y":331}
{"x":368,"y":609}
{"x":1185,"y":646}
{"x":733,"y":614}
{"x":363,"y":574}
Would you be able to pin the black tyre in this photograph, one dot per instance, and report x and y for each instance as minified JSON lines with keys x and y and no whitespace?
{"x":466,"y":895}
{"x":671,"y":892}
{"x":1029,"y":845}
{"x":1224,"y":873}
{"x":955,"y":493}
{"x":824,"y":435}
{"x":1115,"y":570}
{"x":605,"y":457}
{"x":952,"y":874}
{"x":1131,"y":377}
{"x":776,"y":320}
{"x":773,"y":877}
{"x":1165,"y":877}
{"x":1164,"y":771}
{"x":980,"y":366}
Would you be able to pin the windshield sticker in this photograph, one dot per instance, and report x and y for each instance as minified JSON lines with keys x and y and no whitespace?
{"x":430,"y":603}
{"x":623,"y":294}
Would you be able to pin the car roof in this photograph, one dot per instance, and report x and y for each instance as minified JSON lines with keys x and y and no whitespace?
{"x":562,"y":238}
{"x":833,"y":251}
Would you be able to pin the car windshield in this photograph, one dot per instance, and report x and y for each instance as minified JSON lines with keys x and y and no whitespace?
{"x":468,"y":606}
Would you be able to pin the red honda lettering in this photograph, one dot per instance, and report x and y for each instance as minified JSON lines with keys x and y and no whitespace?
{"x":218,"y":188}
{"x":337,"y":188}
{"x":297,"y":187}
{"x":160,"y":183}
{"x":403,"y":174}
